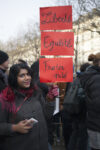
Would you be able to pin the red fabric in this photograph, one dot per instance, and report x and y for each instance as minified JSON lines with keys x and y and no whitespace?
{"x":7,"y":98}
{"x":27,"y":92}
{"x":53,"y":92}
{"x":8,"y":94}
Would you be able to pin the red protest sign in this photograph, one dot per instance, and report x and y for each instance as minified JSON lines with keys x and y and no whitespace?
{"x":57,"y":43}
{"x":56,"y":18}
{"x":56,"y":70}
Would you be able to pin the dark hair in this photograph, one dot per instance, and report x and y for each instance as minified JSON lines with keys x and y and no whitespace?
{"x":35,"y":70}
{"x":84,"y":66}
{"x":22,"y":61}
{"x":95,"y":58}
{"x":13,"y":73}
{"x":3,"y":57}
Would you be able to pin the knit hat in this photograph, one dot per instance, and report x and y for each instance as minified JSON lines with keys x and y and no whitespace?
{"x":3,"y":57}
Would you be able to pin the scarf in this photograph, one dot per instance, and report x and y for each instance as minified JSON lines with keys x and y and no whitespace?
{"x":27,"y":92}
{"x":7,"y":98}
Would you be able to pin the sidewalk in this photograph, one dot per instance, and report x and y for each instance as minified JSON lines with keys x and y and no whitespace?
{"x":59,"y":145}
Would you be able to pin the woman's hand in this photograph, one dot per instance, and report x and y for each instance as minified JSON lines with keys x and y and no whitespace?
{"x":21,"y":127}
{"x":53,"y":92}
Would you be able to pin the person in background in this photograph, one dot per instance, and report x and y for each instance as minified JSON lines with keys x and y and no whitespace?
{"x":90,"y":81}
{"x":79,"y":136}
{"x":74,"y":126}
{"x":66,"y":122}
{"x":19,"y":102}
{"x":35,"y":73}
{"x":21,"y":61}
{"x":4,"y":62}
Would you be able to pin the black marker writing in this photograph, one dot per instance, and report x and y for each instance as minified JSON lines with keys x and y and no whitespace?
{"x":49,"y":17}
{"x":61,"y":42}
{"x":53,"y":67}
{"x":60,"y":75}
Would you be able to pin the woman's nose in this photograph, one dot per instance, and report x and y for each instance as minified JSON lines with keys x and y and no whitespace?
{"x":27,"y":77}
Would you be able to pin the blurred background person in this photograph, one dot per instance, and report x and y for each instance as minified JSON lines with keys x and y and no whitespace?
{"x":21,"y":61}
{"x":4,"y":62}
{"x":90,"y":81}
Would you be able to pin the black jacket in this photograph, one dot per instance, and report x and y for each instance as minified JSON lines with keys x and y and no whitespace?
{"x":3,"y":80}
{"x":37,"y":138}
{"x":3,"y":84}
{"x":90,"y":80}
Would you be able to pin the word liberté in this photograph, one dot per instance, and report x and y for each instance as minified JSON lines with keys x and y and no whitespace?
{"x":52,"y":18}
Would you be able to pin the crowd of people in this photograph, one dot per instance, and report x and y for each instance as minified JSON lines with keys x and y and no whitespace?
{"x":27,"y":107}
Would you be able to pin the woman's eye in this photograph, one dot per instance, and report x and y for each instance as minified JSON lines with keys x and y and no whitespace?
{"x":22,"y":75}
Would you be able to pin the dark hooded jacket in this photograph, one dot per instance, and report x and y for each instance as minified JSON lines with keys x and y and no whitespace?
{"x":3,"y":84}
{"x":3,"y":80}
{"x":34,"y":107}
{"x":90,"y":81}
{"x":35,"y":72}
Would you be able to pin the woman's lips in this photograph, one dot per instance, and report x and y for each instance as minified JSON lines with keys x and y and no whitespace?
{"x":27,"y":83}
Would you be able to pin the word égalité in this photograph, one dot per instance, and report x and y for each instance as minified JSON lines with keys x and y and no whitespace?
{"x":61,"y":42}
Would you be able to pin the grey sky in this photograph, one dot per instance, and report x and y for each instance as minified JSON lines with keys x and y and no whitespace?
{"x":15,"y":15}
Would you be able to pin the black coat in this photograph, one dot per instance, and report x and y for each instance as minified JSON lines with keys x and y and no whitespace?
{"x":35,"y":72}
{"x":3,"y":82}
{"x":37,"y":138}
{"x":90,"y":80}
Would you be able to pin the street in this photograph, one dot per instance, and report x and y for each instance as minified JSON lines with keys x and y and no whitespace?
{"x":59,"y":145}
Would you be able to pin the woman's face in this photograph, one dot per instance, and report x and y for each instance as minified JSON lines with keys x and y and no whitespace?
{"x":24,"y":79}
{"x":5,"y":65}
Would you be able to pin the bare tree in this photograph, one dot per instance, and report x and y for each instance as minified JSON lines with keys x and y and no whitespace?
{"x":33,"y":38}
{"x":1,"y":45}
{"x":83,"y":11}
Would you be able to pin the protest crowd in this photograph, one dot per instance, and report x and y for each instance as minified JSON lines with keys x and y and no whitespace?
{"x":51,"y":102}
{"x":27,"y":119}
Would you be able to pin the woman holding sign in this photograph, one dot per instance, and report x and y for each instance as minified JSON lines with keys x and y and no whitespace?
{"x":22,"y":112}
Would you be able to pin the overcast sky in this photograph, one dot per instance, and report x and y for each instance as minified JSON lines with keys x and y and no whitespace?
{"x":15,"y":15}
